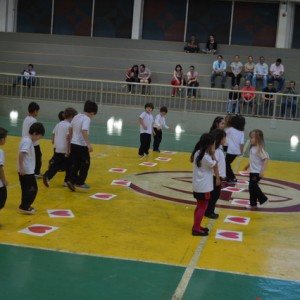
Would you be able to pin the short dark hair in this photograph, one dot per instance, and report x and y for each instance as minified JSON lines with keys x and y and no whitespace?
{"x":31,"y":65}
{"x":149,"y":104}
{"x":278,"y":60}
{"x":32,"y":107}
{"x":163,"y":109}
{"x":61,"y":115}
{"x":70,"y":112}
{"x":3,"y":133}
{"x":90,"y":107}
{"x":37,"y":128}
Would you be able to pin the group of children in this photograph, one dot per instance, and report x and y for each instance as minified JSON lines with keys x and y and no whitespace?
{"x":211,"y":166}
{"x":72,"y":149}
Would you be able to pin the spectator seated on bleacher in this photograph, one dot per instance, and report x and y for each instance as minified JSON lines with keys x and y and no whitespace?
{"x":248,"y":97}
{"x":234,"y":100}
{"x":211,"y":45}
{"x":192,"y":81}
{"x":276,"y":74}
{"x":268,"y":100}
{"x":28,"y":77}
{"x":236,"y":69}
{"x":249,"y":68}
{"x":144,"y":78}
{"x":132,"y":76}
{"x":218,"y":69}
{"x":261,"y":72}
{"x":192,"y":45}
{"x":177,"y":80}
{"x":289,"y":101}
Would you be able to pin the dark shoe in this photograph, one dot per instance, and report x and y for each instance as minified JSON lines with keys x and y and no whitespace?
{"x":71,"y":186}
{"x":199,"y":233}
{"x":234,"y":180}
{"x":205,"y":229}
{"x":45,"y":181}
{"x":264,"y":203}
{"x":212,"y":216}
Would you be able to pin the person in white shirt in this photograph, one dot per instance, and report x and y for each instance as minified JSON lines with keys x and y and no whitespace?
{"x":204,"y":167}
{"x":26,"y":165}
{"x":158,"y":125}
{"x":261,"y":72}
{"x":146,"y":123}
{"x":276,"y":74}
{"x":236,"y":68}
{"x":81,"y":146}
{"x":33,"y":111}
{"x":235,"y":137}
{"x":28,"y":77}
{"x":3,"y":180}
{"x":61,"y":140}
{"x":144,"y":78}
{"x":258,"y":162}
{"x":220,"y":138}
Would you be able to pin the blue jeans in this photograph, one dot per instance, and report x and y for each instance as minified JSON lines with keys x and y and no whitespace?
{"x":233,"y":106}
{"x":264,"y":79}
{"x":280,"y":80}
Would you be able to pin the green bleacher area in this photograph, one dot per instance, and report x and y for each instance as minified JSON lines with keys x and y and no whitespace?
{"x":109,"y":58}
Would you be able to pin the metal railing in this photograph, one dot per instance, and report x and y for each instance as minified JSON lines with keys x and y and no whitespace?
{"x":206,"y":100}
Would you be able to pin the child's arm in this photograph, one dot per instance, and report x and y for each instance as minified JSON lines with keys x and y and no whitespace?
{"x":69,"y":138}
{"x":87,"y":140}
{"x":262,"y":171}
{"x":21,"y":163}
{"x":141,"y":121}
{"x":52,"y":138}
{"x":246,"y":167}
{"x":242,"y":148}
{"x":216,"y":170}
{"x":2,"y":176}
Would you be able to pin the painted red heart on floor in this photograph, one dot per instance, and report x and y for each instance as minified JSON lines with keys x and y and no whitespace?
{"x":148,"y":164}
{"x":39,"y":229}
{"x":62,"y":213}
{"x":244,"y":202}
{"x":121,"y":182}
{"x":238,"y":219}
{"x":163,"y":158}
{"x":103,"y":196}
{"x":233,"y":189}
{"x":118,"y":170}
{"x":230,"y":234}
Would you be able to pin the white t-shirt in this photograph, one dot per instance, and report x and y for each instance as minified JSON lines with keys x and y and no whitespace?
{"x":26,"y":146}
{"x":160,"y":122}
{"x":257,"y":160}
{"x":203,"y":175}
{"x":148,"y":120}
{"x":1,"y":164}
{"x":61,"y":133}
{"x":220,"y":158}
{"x":28,"y":121}
{"x":79,"y":123}
{"x":234,"y":138}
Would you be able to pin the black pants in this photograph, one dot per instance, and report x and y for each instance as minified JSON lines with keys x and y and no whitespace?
{"x":57,"y":163}
{"x":229,"y":159}
{"x":3,"y":196}
{"x":192,"y":91}
{"x":145,"y":140}
{"x":214,"y":196}
{"x":29,"y":190}
{"x":131,"y":79}
{"x":38,"y":160}
{"x":235,"y":80}
{"x":80,"y":164}
{"x":256,"y":193}
{"x":157,"y":139}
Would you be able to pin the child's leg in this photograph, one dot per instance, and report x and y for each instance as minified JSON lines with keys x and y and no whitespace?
{"x":84,"y":165}
{"x":56,"y":163}
{"x":156,"y":140}
{"x":38,"y":160}
{"x":214,"y":196}
{"x":229,"y":159}
{"x":75,"y":163}
{"x":199,"y":213}
{"x":255,"y":191}
{"x":29,"y":190}
{"x":147,"y":143}
{"x":3,"y":196}
{"x":143,"y":139}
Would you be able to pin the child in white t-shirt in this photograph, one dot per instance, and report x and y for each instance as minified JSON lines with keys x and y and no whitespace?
{"x":26,"y":164}
{"x":81,"y":146}
{"x":146,"y":121}
{"x":158,"y":125}
{"x":220,"y":137}
{"x":258,"y":162}
{"x":33,"y":111}
{"x":61,"y":141}
{"x":235,"y":137}
{"x":3,"y":180}
{"x":204,"y":167}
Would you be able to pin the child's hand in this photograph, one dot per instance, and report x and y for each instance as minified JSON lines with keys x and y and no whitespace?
{"x":246,"y":168}
{"x":21,"y":172}
{"x":261,"y":174}
{"x":145,"y":127}
{"x":218,"y":181}
{"x":5,"y":182}
{"x":90,"y":148}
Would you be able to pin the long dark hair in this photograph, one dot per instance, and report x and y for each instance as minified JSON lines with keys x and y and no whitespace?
{"x":238,"y":122}
{"x":216,"y":123}
{"x":206,"y":141}
{"x":218,"y":134}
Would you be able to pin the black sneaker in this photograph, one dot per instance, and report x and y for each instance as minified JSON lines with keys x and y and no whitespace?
{"x":212,"y":216}
{"x":71,"y":186}
{"x":199,"y":233}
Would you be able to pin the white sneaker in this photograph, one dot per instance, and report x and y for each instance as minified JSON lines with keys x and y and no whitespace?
{"x":264,"y":203}
{"x":83,"y":186}
{"x":38,"y":176}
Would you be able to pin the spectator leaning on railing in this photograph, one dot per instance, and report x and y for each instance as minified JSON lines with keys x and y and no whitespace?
{"x":248,"y":97}
{"x":28,"y":77}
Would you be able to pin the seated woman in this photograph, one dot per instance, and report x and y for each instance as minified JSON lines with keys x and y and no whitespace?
{"x":144,"y":78}
{"x":177,"y":79}
{"x":211,"y":45}
{"x":132,"y":76}
{"x":233,"y":100}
